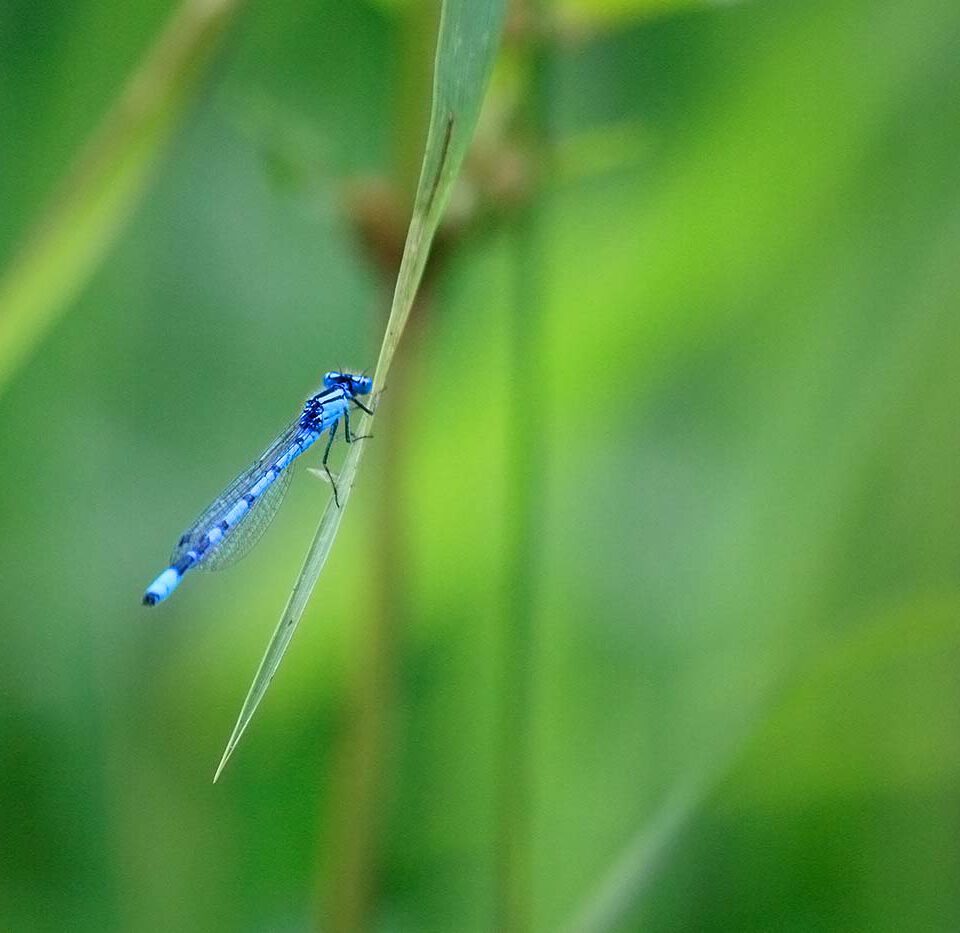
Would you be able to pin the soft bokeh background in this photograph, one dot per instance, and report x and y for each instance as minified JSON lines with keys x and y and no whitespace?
{"x":703,"y":628}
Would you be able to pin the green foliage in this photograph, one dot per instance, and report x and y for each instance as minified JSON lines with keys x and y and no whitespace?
{"x":107,"y":179}
{"x":744,"y":640}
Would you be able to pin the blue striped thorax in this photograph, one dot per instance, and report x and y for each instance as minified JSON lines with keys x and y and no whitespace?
{"x":341,"y":388}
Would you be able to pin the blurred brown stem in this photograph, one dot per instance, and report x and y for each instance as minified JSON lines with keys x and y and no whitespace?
{"x":359,"y":802}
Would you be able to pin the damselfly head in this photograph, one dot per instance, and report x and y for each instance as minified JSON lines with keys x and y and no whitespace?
{"x":353,"y":383}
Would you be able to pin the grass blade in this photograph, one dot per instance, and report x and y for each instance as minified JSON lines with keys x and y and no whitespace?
{"x":102,"y":187}
{"x":467,"y":43}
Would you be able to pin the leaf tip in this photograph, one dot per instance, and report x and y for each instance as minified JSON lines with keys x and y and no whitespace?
{"x":227,"y":752}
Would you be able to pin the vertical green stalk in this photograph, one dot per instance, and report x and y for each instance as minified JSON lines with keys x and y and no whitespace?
{"x":366,"y":777}
{"x":526,"y":456}
{"x":358,"y":802}
{"x":360,"y":797}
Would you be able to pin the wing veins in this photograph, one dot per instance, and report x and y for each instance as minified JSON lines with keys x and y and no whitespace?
{"x":214,"y":512}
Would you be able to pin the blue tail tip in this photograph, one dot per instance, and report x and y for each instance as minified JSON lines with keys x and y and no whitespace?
{"x":150,"y":599}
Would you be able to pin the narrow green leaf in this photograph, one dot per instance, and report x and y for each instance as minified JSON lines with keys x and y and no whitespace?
{"x":102,"y":187}
{"x":466,"y":47}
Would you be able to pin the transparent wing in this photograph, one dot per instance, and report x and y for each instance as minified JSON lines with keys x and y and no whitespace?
{"x":251,"y":527}
{"x":217,"y":509}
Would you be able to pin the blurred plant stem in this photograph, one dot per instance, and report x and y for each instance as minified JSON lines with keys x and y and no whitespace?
{"x":103,"y":185}
{"x":360,"y":798}
{"x":526,"y":466}
{"x":365,"y":775}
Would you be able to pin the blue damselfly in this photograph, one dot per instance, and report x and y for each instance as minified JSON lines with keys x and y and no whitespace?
{"x":234,"y":522}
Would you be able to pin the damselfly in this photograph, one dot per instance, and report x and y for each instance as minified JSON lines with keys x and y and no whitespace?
{"x":233,"y":523}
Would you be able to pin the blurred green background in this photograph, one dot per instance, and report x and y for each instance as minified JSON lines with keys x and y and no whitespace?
{"x":648,"y":598}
